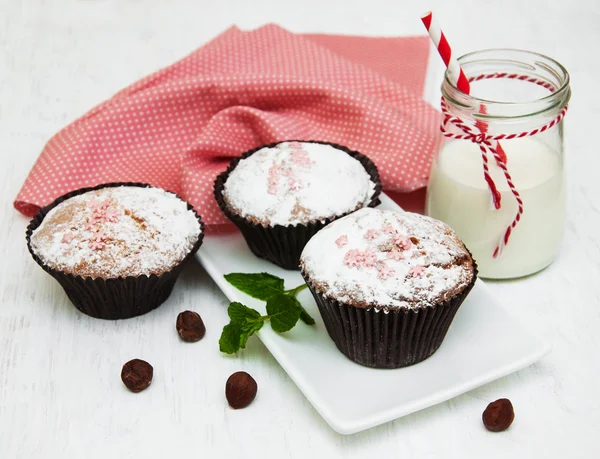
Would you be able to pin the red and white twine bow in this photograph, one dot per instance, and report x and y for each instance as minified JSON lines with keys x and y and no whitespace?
{"x":489,"y":144}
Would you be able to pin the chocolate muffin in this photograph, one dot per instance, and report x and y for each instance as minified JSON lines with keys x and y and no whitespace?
{"x":281,"y":194}
{"x":116,"y":249}
{"x":388,"y":284}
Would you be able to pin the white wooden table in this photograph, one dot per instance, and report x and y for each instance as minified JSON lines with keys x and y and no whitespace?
{"x":60,"y":390}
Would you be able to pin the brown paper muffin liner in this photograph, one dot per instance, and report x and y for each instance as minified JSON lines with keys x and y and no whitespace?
{"x":398,"y":338}
{"x":280,"y":244}
{"x":117,"y":298}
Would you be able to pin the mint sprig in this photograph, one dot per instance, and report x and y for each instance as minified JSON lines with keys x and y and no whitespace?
{"x":283,"y":309}
{"x":263,"y":286}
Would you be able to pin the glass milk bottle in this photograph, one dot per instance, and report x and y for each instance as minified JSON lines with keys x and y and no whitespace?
{"x":498,"y":179}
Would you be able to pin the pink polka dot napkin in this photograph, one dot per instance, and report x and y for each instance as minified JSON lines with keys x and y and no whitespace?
{"x":179,"y":127}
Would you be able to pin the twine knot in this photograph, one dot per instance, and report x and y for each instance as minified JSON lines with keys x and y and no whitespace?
{"x":490,"y":145}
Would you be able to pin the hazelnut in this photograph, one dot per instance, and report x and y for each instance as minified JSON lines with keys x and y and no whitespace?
{"x":240,"y":390}
{"x":137,"y":375}
{"x":498,"y":415}
{"x":190,"y":326}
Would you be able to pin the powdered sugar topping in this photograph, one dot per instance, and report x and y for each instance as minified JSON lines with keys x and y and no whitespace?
{"x":385,"y":271}
{"x":117,"y":232}
{"x":297,"y":182}
{"x":390,"y":260}
{"x":395,"y":254}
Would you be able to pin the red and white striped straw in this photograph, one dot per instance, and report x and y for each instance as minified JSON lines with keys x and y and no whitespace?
{"x":439,"y":40}
{"x":460,"y":80}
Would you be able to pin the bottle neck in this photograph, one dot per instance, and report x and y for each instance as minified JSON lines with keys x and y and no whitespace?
{"x":511,"y":90}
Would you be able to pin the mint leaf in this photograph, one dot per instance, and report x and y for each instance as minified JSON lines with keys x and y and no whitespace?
{"x":304,"y":316}
{"x":249,"y":328}
{"x":261,"y":286}
{"x":244,"y":323}
{"x":252,"y":326}
{"x":238,"y":313}
{"x":284,"y":312}
{"x":229,"y":343}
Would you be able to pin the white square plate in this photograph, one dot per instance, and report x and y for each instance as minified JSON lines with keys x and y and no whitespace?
{"x":484,"y":343}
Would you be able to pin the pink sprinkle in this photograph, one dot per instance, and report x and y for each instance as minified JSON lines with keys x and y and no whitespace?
{"x":275,"y":170}
{"x":385,"y":271}
{"x":96,"y":245}
{"x":99,"y":236}
{"x":301,"y":158}
{"x":98,"y":240}
{"x":388,"y":229}
{"x":287,"y":172}
{"x":416,"y":270}
{"x":112,"y":215}
{"x":96,"y":217}
{"x":371,"y":234}
{"x":94,"y":203}
{"x":67,"y":237}
{"x":97,"y":205}
{"x":294,"y":184}
{"x":395,"y":254}
{"x":93,"y":220}
{"x":295,"y":145}
{"x":353,"y":258}
{"x":273,"y":179}
{"x":369,"y":258}
{"x":403,"y":242}
{"x":341,"y":241}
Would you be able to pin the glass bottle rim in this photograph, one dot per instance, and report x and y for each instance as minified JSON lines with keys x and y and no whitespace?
{"x":519,"y":58}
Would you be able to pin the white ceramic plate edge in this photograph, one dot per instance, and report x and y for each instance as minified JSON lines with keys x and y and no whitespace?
{"x":269,"y":338}
{"x":544,"y":349}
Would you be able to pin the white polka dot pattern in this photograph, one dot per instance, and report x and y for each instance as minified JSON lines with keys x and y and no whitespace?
{"x":179,"y":127}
